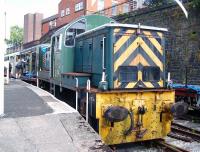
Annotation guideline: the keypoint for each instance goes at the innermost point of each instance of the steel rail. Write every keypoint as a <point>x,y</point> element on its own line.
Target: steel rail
<point>180,137</point>
<point>169,147</point>
<point>183,130</point>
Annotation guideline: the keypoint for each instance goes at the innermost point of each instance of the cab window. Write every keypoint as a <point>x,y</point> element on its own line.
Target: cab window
<point>56,44</point>
<point>76,29</point>
<point>151,73</point>
<point>128,73</point>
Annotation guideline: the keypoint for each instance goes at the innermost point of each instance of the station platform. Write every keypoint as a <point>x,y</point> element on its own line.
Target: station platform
<point>35,121</point>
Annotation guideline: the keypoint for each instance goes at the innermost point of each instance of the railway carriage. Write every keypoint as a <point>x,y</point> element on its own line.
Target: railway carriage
<point>43,59</point>
<point>32,59</point>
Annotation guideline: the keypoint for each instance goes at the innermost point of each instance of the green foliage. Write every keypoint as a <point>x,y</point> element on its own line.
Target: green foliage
<point>196,4</point>
<point>193,36</point>
<point>16,36</point>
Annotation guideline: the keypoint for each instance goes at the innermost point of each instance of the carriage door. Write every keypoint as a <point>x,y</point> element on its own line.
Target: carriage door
<point>52,56</point>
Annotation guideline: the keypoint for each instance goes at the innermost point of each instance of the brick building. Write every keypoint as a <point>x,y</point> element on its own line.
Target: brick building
<point>49,24</point>
<point>69,10</point>
<point>32,27</point>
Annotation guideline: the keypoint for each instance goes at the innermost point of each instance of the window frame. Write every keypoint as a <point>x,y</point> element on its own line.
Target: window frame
<point>148,80</point>
<point>67,11</point>
<point>101,5</point>
<point>62,13</point>
<point>136,73</point>
<point>78,6</point>
<point>57,47</point>
<point>114,10</point>
<point>70,27</point>
<point>125,8</point>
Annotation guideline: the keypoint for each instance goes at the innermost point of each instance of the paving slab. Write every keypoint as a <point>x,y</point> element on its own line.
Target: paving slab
<point>81,133</point>
<point>35,121</point>
<point>20,101</point>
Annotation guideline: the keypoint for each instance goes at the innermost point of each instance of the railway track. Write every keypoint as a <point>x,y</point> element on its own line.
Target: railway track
<point>155,145</point>
<point>184,133</point>
<point>169,147</point>
<point>190,117</point>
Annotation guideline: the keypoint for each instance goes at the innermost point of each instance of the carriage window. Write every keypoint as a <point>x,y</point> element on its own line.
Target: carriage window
<point>128,73</point>
<point>76,29</point>
<point>151,73</point>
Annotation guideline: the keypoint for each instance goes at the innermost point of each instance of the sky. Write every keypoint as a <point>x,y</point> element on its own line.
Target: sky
<point>16,9</point>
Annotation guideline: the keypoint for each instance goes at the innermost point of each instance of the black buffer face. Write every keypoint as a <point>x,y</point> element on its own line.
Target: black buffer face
<point>116,113</point>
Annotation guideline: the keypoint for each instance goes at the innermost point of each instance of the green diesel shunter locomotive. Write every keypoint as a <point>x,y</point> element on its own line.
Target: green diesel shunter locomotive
<point>119,78</point>
<point>115,76</point>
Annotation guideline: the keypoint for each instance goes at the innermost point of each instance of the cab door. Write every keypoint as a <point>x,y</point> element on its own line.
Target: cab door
<point>125,58</point>
<point>151,72</point>
<point>55,56</point>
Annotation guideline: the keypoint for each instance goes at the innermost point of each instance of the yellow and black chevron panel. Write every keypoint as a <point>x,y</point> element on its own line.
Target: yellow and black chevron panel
<point>138,58</point>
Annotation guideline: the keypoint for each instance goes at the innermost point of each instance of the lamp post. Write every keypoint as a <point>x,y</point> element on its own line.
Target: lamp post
<point>5,23</point>
<point>2,49</point>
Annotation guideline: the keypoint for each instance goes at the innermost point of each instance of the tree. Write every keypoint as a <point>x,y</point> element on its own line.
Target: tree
<point>16,36</point>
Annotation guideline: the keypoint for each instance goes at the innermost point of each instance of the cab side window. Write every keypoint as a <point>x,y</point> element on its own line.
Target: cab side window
<point>75,29</point>
<point>151,73</point>
<point>57,44</point>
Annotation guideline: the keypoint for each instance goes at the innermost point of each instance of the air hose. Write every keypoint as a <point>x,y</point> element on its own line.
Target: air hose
<point>127,132</point>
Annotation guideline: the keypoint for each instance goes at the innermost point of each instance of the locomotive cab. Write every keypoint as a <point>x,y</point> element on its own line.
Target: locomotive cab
<point>132,56</point>
<point>138,57</point>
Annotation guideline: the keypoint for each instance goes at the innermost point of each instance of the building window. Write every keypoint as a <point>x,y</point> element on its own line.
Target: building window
<point>67,11</point>
<point>52,24</point>
<point>125,8</point>
<point>133,4</point>
<point>100,5</point>
<point>78,6</point>
<point>114,8</point>
<point>62,13</point>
